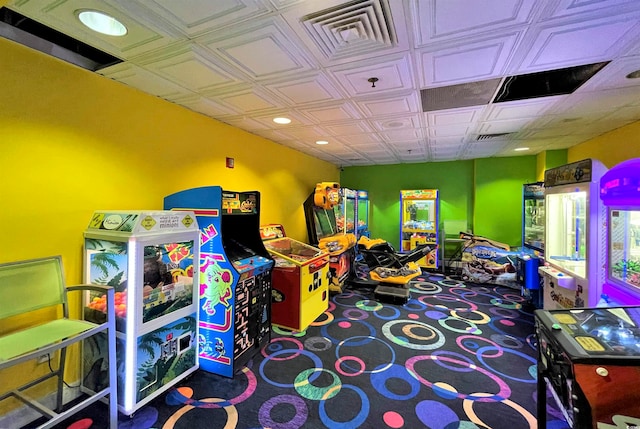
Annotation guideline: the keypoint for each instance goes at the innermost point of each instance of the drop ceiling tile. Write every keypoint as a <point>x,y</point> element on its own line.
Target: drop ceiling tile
<point>506,126</point>
<point>312,89</point>
<point>406,103</point>
<point>443,118</point>
<point>205,106</point>
<point>195,17</point>
<point>475,61</point>
<point>144,80</point>
<point>252,100</point>
<point>449,130</point>
<point>566,8</point>
<point>348,128</point>
<point>522,108</point>
<point>331,113</point>
<point>193,71</point>
<point>361,139</point>
<point>392,123</point>
<point>445,20</point>
<point>409,134</point>
<point>393,73</point>
<point>577,43</point>
<point>614,75</point>
<point>265,50</point>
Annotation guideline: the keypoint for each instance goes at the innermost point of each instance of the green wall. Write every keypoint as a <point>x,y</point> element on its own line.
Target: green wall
<point>454,180</point>
<point>483,196</point>
<point>498,197</point>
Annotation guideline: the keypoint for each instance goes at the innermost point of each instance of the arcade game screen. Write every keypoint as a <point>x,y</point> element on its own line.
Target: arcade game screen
<point>604,331</point>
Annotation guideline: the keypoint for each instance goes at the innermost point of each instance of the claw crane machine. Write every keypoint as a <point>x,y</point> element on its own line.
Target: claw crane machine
<point>419,220</point>
<point>151,260</point>
<point>620,193</point>
<point>575,242</point>
<point>362,213</point>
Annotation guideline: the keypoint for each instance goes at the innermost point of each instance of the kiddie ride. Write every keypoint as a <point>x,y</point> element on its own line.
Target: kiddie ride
<point>391,271</point>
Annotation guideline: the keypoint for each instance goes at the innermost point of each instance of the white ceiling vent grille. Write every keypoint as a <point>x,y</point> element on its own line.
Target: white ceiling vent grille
<point>353,28</point>
<point>491,136</point>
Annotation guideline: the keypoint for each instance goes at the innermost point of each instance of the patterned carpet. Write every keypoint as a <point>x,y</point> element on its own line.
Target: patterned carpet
<point>455,356</point>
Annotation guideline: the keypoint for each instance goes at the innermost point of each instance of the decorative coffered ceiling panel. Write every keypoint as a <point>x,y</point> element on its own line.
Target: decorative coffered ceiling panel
<point>383,81</point>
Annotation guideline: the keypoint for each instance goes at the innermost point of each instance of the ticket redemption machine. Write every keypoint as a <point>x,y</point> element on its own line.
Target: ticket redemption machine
<point>234,276</point>
<point>323,231</point>
<point>589,358</point>
<point>620,193</point>
<point>150,258</point>
<point>533,218</point>
<point>575,244</point>
<point>300,281</point>
<point>362,212</point>
<point>419,220</point>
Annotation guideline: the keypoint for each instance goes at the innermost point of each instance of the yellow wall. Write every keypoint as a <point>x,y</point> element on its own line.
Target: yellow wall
<point>73,142</point>
<point>611,148</point>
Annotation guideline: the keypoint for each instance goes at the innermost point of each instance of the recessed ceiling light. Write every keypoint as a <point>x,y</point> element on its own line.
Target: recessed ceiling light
<point>634,75</point>
<point>282,121</point>
<point>322,142</point>
<point>102,23</point>
<point>520,149</point>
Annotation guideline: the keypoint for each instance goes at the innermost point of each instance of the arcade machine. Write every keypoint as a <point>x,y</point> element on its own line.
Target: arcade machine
<point>149,257</point>
<point>345,211</point>
<point>419,220</point>
<point>532,242</point>
<point>362,213</point>
<point>388,271</point>
<point>484,260</point>
<point>574,267</point>
<point>620,193</point>
<point>300,281</point>
<point>589,358</point>
<point>235,276</point>
<point>323,232</point>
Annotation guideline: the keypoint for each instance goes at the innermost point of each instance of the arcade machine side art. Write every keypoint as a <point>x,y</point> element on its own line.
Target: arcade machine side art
<point>620,193</point>
<point>575,240</point>
<point>300,285</point>
<point>488,261</point>
<point>419,223</point>
<point>323,232</point>
<point>149,257</point>
<point>235,276</point>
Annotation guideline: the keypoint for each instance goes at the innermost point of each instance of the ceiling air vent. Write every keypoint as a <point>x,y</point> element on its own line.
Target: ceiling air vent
<point>26,31</point>
<point>460,95</point>
<point>353,28</point>
<point>492,136</point>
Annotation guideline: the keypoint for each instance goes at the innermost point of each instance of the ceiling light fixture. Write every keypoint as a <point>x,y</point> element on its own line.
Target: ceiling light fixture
<point>322,142</point>
<point>521,149</point>
<point>373,81</point>
<point>282,121</point>
<point>633,75</point>
<point>102,23</point>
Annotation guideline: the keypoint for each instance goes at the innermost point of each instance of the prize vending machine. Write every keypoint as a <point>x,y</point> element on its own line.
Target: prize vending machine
<point>620,193</point>
<point>533,218</point>
<point>575,243</point>
<point>362,212</point>
<point>234,276</point>
<point>151,260</point>
<point>419,220</point>
<point>345,211</point>
<point>300,285</point>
